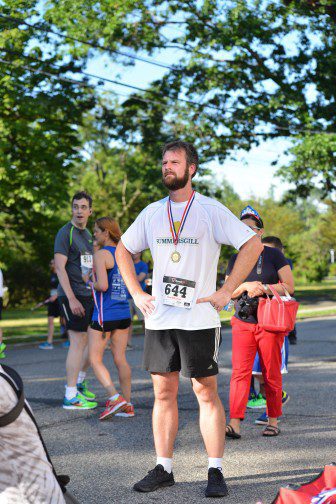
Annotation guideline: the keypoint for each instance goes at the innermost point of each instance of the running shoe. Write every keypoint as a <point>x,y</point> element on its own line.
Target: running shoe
<point>263,419</point>
<point>216,484</point>
<point>78,403</point>
<point>253,394</point>
<point>156,478</point>
<point>2,350</point>
<point>83,389</point>
<point>127,412</point>
<point>66,344</point>
<point>46,346</point>
<point>285,398</point>
<point>112,407</point>
<point>258,403</point>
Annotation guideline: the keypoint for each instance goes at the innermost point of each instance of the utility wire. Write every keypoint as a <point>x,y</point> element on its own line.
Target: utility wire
<point>119,83</point>
<point>39,26</point>
<point>136,88</point>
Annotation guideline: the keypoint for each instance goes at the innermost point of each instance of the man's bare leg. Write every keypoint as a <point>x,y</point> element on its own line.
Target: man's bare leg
<point>78,343</point>
<point>165,412</point>
<point>212,415</point>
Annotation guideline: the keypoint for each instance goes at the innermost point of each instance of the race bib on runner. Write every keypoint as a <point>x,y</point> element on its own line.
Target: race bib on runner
<point>86,261</point>
<point>178,292</point>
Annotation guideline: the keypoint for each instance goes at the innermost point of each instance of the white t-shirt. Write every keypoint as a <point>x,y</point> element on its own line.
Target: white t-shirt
<point>209,224</point>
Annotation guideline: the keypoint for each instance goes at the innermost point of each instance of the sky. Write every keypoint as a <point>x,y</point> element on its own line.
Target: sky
<point>250,173</point>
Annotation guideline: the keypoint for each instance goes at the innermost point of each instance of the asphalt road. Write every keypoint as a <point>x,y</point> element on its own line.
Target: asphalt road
<point>105,459</point>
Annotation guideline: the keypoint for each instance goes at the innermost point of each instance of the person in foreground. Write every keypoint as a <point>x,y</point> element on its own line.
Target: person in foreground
<point>111,319</point>
<point>184,232</point>
<point>248,337</point>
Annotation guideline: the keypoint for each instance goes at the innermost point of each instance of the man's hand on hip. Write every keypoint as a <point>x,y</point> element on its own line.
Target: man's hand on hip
<point>218,299</point>
<point>144,302</point>
<point>76,307</point>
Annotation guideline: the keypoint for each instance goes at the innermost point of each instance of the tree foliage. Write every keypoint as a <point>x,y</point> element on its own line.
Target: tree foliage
<point>40,112</point>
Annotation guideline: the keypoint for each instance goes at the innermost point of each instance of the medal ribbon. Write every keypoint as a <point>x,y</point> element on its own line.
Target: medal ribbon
<point>176,234</point>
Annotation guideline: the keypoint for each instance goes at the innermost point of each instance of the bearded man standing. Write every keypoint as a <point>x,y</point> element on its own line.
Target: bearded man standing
<point>184,232</point>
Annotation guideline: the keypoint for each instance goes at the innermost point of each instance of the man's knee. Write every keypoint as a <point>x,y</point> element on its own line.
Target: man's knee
<point>78,339</point>
<point>165,388</point>
<point>206,389</point>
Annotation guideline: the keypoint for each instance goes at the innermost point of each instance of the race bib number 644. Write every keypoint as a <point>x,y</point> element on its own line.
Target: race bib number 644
<point>178,292</point>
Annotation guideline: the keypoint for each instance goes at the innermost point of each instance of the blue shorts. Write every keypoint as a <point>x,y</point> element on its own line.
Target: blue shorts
<point>284,360</point>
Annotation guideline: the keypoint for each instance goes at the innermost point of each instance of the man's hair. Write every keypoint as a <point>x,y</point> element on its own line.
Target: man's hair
<point>82,195</point>
<point>274,240</point>
<point>189,149</point>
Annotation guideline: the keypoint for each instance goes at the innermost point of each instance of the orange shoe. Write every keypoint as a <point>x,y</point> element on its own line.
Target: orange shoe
<point>127,412</point>
<point>112,407</point>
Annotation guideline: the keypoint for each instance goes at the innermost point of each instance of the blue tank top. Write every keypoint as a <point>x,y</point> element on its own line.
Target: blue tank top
<point>112,304</point>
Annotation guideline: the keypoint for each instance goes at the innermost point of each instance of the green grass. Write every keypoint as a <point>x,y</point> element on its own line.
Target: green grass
<point>33,325</point>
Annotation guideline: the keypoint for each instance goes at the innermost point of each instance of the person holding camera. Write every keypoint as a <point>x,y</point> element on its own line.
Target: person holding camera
<point>248,337</point>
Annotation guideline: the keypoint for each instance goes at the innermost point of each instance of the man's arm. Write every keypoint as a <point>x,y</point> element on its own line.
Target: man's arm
<point>75,306</point>
<point>246,259</point>
<point>127,270</point>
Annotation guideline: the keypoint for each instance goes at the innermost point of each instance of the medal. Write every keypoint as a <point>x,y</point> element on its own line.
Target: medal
<point>176,256</point>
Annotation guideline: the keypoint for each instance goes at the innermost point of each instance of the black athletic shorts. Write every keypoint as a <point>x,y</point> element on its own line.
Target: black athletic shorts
<point>73,322</point>
<point>53,309</point>
<point>194,353</point>
<point>111,325</point>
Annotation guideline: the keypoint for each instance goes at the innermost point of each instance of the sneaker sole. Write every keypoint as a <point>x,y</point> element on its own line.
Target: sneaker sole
<point>90,399</point>
<point>287,401</point>
<point>113,412</point>
<point>79,408</point>
<point>256,407</point>
<point>124,415</point>
<point>260,422</point>
<point>160,485</point>
<point>216,494</point>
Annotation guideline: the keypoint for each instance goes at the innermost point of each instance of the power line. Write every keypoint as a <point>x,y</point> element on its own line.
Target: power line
<point>119,83</point>
<point>38,26</point>
<point>136,88</point>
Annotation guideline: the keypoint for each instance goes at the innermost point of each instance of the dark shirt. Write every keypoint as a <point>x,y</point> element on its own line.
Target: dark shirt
<point>272,261</point>
<point>53,281</point>
<point>77,245</point>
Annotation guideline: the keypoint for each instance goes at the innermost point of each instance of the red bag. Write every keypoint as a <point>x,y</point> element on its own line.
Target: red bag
<point>277,314</point>
<point>321,489</point>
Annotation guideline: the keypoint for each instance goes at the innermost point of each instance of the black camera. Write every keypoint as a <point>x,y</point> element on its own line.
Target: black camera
<point>247,307</point>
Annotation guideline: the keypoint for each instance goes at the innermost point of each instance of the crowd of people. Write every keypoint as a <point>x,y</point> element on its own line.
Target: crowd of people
<point>101,286</point>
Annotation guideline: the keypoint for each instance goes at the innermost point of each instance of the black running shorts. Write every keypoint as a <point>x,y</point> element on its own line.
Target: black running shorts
<point>73,322</point>
<point>111,325</point>
<point>194,353</point>
<point>53,309</point>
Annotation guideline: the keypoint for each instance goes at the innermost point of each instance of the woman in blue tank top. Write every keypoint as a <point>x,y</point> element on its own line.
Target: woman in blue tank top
<point>111,318</point>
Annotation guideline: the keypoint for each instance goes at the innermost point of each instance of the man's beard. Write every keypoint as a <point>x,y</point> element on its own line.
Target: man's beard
<point>176,183</point>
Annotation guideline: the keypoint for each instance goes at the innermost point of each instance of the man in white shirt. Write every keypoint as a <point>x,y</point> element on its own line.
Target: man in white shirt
<point>184,233</point>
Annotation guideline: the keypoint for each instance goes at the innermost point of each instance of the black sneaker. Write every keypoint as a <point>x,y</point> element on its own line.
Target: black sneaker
<point>216,484</point>
<point>156,478</point>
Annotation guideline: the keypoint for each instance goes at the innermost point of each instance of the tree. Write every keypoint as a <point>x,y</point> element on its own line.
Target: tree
<point>312,165</point>
<point>41,108</point>
<point>246,71</point>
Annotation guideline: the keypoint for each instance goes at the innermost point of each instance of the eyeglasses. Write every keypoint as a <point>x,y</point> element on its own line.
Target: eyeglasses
<point>255,228</point>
